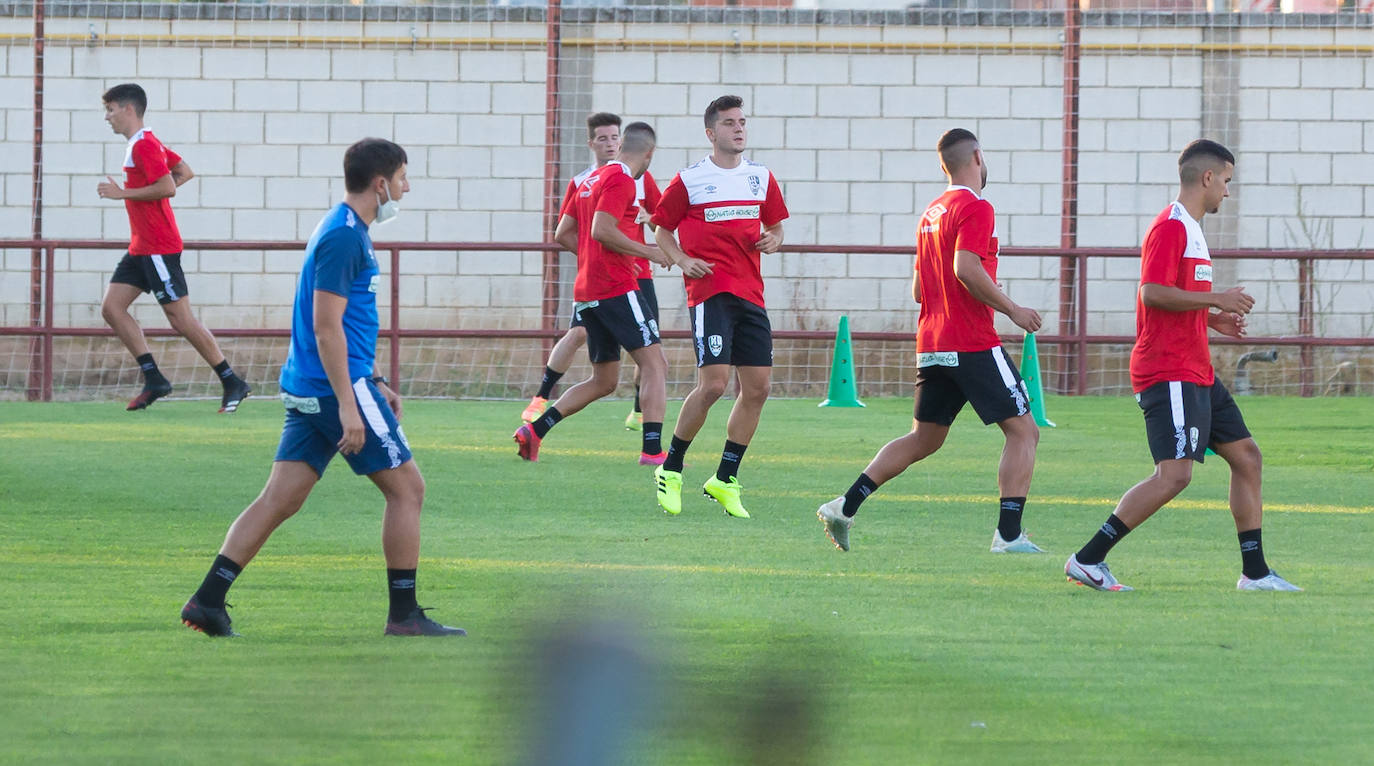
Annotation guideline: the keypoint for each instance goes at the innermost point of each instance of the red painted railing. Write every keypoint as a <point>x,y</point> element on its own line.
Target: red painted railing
<point>42,330</point>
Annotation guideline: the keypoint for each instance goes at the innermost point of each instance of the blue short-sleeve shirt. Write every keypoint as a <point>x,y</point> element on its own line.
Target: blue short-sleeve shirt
<point>338,259</point>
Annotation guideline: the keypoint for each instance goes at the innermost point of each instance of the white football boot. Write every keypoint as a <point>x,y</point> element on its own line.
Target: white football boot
<point>1271,581</point>
<point>1022,544</point>
<point>1096,576</point>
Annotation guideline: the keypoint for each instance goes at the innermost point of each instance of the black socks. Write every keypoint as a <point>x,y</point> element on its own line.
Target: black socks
<point>217,581</point>
<point>653,438</point>
<point>401,587</point>
<point>151,374</point>
<point>1097,548</point>
<point>677,448</point>
<point>1009,520</point>
<point>1252,555</point>
<point>551,378</point>
<point>729,460</point>
<point>546,421</point>
<point>857,493</point>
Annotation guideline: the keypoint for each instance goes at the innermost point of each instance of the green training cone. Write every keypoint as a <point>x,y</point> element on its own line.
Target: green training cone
<point>1030,372</point>
<point>842,392</point>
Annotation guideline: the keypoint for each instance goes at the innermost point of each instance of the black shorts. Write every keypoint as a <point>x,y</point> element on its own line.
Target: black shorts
<point>616,323</point>
<point>988,380</point>
<point>160,275</point>
<point>1183,419</point>
<point>730,330</point>
<point>650,294</point>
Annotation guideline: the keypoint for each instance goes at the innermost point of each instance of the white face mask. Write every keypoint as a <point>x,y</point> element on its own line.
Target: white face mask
<point>386,211</point>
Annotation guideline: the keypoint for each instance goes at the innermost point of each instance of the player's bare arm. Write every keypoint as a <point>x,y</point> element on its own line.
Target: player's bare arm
<point>605,231</point>
<point>916,286</point>
<point>1170,298</point>
<point>771,239</point>
<point>968,267</point>
<point>694,268</point>
<point>181,173</point>
<point>329,337</point>
<point>566,233</point>
<point>162,188</point>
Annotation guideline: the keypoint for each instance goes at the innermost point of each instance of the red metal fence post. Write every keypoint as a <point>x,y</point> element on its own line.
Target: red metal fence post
<point>552,165</point>
<point>35,388</point>
<point>1071,321</point>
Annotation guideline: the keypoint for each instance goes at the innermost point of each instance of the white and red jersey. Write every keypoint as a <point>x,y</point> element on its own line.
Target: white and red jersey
<point>602,272</point>
<point>719,214</point>
<point>1172,345</point>
<point>152,227</point>
<point>647,196</point>
<point>576,181</point>
<point>951,318</point>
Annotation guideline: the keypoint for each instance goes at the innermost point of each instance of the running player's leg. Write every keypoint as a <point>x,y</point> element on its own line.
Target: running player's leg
<point>1231,441</point>
<point>1176,422</point>
<point>125,286</point>
<point>604,352</point>
<point>169,287</point>
<point>560,359</point>
<point>635,420</point>
<point>937,402</point>
<point>114,309</point>
<point>652,365</point>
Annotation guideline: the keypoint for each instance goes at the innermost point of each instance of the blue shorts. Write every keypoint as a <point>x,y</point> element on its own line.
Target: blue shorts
<point>312,431</point>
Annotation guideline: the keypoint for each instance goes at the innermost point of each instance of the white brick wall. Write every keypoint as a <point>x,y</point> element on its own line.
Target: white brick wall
<point>850,133</point>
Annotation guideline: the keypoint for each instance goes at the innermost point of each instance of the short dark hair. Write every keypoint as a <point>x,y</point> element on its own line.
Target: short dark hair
<point>128,93</point>
<point>724,103</point>
<point>1200,156</point>
<point>601,120</point>
<point>637,137</point>
<point>369,158</point>
<point>956,148</point>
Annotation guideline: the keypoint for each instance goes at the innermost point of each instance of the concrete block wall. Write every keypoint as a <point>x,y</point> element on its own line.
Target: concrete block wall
<point>850,132</point>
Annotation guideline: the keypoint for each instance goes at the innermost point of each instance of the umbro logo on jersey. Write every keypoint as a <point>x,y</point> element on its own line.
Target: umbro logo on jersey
<point>711,189</point>
<point>934,212</point>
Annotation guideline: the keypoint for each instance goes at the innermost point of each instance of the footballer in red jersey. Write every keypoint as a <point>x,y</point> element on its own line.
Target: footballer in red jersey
<point>153,264</point>
<point>606,294</point>
<point>959,359</point>
<point>1186,408</point>
<point>715,220</point>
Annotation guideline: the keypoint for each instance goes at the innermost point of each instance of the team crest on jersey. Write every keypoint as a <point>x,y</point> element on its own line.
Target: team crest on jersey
<point>755,183</point>
<point>716,344</point>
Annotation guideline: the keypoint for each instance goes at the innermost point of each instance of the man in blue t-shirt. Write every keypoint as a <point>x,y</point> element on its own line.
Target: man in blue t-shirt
<point>334,404</point>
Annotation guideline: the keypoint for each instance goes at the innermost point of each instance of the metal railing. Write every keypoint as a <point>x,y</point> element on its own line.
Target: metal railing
<point>42,328</point>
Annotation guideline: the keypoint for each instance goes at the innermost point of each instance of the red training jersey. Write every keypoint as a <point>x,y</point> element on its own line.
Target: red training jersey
<point>647,195</point>
<point>719,214</point>
<point>951,318</point>
<point>1172,345</point>
<point>152,227</point>
<point>602,272</point>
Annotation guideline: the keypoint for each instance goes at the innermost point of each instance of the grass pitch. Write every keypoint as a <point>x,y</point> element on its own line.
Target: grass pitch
<point>757,641</point>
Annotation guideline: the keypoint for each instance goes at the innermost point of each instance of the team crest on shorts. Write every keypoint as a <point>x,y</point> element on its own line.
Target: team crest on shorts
<point>716,344</point>
<point>1192,439</point>
<point>755,184</point>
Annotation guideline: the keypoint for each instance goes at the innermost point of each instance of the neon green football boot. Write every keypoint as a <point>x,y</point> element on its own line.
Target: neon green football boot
<point>727,494</point>
<point>634,422</point>
<point>669,490</point>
